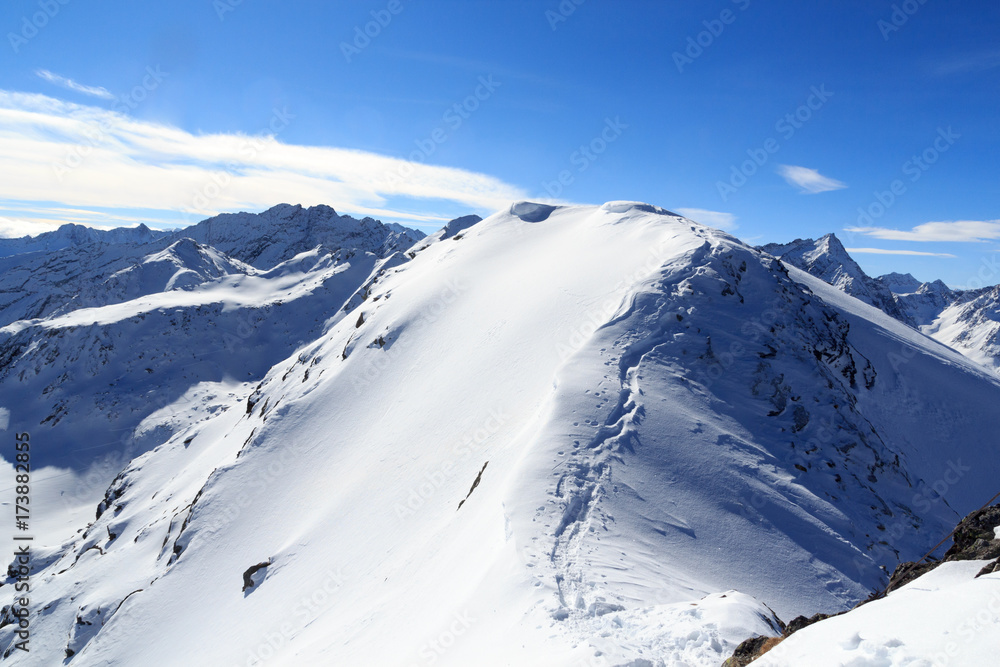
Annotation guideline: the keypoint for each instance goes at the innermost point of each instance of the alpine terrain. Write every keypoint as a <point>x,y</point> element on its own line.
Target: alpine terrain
<point>562,435</point>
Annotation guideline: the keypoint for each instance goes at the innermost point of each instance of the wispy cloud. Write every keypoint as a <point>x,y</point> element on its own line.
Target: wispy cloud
<point>809,181</point>
<point>959,231</point>
<point>70,84</point>
<point>883,251</point>
<point>717,219</point>
<point>54,153</point>
<point>968,63</point>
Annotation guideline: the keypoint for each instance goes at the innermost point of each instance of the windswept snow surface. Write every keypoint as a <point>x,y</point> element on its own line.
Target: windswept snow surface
<point>946,617</point>
<point>653,430</point>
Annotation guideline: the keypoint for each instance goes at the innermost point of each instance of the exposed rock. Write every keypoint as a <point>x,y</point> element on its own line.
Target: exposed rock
<point>976,538</point>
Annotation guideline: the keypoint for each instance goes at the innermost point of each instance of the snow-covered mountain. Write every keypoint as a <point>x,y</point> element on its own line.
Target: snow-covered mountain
<point>560,436</point>
<point>71,235</point>
<point>282,232</point>
<point>971,325</point>
<point>111,341</point>
<point>968,321</point>
<point>828,260</point>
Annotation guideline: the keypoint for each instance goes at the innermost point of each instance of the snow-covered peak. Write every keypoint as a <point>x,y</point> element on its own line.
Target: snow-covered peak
<point>827,259</point>
<point>283,231</point>
<point>183,264</point>
<point>900,283</point>
<point>451,230</point>
<point>70,235</point>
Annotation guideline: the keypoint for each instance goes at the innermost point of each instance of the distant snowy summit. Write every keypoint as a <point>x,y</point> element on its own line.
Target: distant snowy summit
<point>283,231</point>
<point>967,320</point>
<point>827,259</point>
<point>70,235</point>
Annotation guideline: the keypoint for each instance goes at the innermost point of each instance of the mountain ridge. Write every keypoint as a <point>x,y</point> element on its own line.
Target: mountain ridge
<point>638,415</point>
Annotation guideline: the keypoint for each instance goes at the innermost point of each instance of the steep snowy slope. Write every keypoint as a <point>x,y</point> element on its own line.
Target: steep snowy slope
<point>561,437</point>
<point>971,324</point>
<point>95,372</point>
<point>827,259</point>
<point>118,332</point>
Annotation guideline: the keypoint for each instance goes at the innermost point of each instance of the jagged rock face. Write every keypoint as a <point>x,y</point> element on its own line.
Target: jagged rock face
<point>926,302</point>
<point>278,234</point>
<point>977,537</point>
<point>828,260</point>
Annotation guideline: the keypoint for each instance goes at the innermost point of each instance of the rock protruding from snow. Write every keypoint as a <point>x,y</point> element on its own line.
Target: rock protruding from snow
<point>453,230</point>
<point>933,614</point>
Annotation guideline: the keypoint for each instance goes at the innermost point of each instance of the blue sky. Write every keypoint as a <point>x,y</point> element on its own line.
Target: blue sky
<point>775,120</point>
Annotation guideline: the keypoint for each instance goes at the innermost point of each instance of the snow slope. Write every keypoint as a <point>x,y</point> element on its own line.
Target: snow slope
<point>567,435</point>
<point>946,617</point>
<point>971,324</point>
<point>117,327</point>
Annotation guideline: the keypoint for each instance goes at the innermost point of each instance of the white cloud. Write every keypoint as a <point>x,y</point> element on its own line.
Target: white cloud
<point>809,181</point>
<point>84,157</point>
<point>717,219</point>
<point>959,231</point>
<point>12,228</point>
<point>70,84</point>
<point>883,251</point>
